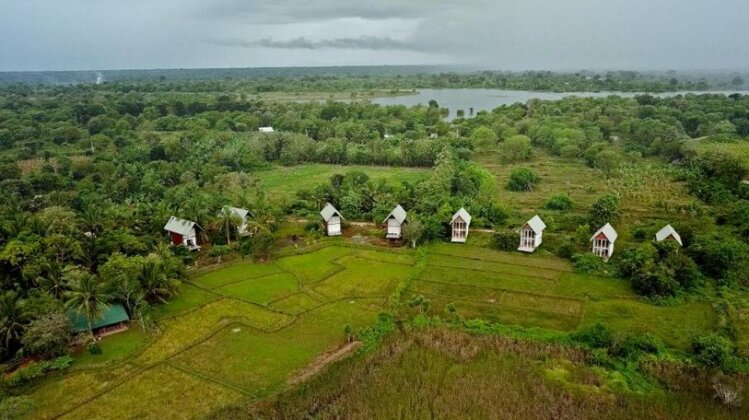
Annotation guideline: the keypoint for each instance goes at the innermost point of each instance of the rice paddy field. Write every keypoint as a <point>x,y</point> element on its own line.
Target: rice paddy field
<point>242,332</point>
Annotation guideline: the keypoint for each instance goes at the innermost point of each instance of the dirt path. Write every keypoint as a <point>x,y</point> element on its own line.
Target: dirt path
<point>322,361</point>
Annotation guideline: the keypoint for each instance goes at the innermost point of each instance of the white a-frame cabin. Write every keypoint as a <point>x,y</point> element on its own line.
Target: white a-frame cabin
<point>531,234</point>
<point>394,222</point>
<point>603,241</point>
<point>668,233</point>
<point>332,219</point>
<point>242,215</point>
<point>460,223</point>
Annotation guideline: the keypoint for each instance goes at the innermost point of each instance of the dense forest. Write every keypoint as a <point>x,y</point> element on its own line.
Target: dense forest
<point>91,173</point>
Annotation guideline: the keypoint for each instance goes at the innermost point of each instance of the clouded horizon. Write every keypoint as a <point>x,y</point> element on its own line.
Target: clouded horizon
<point>491,34</point>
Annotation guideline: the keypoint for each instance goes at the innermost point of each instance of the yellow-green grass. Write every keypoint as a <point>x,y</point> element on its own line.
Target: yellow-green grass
<point>532,261</point>
<point>315,266</point>
<point>162,392</point>
<point>286,181</point>
<point>505,298</point>
<point>188,329</point>
<point>486,279</point>
<point>189,297</point>
<point>296,303</point>
<point>675,325</point>
<point>469,264</point>
<point>58,395</point>
<point>233,273</point>
<point>404,257</point>
<point>114,348</point>
<point>260,363</point>
<point>738,149</point>
<point>592,287</point>
<point>363,277</point>
<point>263,289</point>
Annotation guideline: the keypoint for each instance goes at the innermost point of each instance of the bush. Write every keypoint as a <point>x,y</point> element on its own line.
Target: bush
<point>37,370</point>
<point>559,202</point>
<point>634,344</point>
<point>603,211</point>
<point>505,240</point>
<point>595,337</point>
<point>522,179</point>
<point>48,336</point>
<point>587,263</point>
<point>714,350</point>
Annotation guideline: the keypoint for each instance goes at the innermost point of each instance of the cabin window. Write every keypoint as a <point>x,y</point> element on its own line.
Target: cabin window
<point>459,229</point>
<point>527,238</point>
<point>601,247</point>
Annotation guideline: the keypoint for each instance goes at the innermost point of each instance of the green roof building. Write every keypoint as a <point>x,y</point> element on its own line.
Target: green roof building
<point>110,315</point>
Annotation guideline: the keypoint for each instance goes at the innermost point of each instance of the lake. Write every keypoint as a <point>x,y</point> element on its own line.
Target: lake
<point>488,99</point>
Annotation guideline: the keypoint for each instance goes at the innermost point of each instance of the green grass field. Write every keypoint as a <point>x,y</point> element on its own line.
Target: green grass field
<point>284,182</point>
<point>244,330</point>
<point>739,149</point>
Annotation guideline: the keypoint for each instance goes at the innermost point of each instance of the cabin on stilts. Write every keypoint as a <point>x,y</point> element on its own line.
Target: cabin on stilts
<point>460,223</point>
<point>603,241</point>
<point>668,233</point>
<point>394,222</point>
<point>531,234</point>
<point>332,219</point>
<point>242,215</point>
<point>183,232</point>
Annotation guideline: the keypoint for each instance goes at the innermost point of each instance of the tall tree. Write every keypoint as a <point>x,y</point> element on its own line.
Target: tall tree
<point>13,319</point>
<point>88,297</point>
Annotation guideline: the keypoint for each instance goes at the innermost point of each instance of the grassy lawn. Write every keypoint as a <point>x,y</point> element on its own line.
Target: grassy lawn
<point>262,289</point>
<point>215,347</point>
<point>282,181</point>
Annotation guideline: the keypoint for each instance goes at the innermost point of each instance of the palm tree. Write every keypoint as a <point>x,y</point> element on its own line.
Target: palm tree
<point>53,280</point>
<point>13,319</point>
<point>88,297</point>
<point>155,282</point>
<point>228,220</point>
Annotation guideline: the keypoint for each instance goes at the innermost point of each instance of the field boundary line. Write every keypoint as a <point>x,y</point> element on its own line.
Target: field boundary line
<point>504,289</point>
<point>444,254</point>
<point>530,276</point>
<point>206,378</point>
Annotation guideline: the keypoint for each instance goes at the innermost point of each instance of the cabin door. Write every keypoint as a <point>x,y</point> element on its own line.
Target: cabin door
<point>527,238</point>
<point>394,228</point>
<point>334,225</point>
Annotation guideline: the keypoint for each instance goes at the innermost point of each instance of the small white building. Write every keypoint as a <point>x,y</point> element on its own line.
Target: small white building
<point>182,232</point>
<point>460,223</point>
<point>242,214</point>
<point>531,234</point>
<point>668,233</point>
<point>266,129</point>
<point>332,219</point>
<point>394,221</point>
<point>603,241</point>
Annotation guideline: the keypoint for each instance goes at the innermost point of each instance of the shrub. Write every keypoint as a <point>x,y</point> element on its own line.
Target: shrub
<point>634,344</point>
<point>587,263</point>
<point>505,240</point>
<point>603,211</point>
<point>559,202</point>
<point>522,179</point>
<point>595,337</point>
<point>517,147</point>
<point>48,336</point>
<point>37,370</point>
<point>714,350</point>
<point>15,407</point>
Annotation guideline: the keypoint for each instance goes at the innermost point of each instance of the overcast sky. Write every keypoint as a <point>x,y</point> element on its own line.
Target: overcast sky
<point>496,34</point>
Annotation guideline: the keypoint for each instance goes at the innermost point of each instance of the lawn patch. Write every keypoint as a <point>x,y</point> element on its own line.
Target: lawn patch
<point>501,268</point>
<point>486,279</point>
<point>189,297</point>
<point>295,304</point>
<point>593,287</point>
<point>262,289</point>
<point>388,257</point>
<point>315,266</point>
<point>114,348</point>
<point>233,273</point>
<point>363,277</point>
<point>532,261</point>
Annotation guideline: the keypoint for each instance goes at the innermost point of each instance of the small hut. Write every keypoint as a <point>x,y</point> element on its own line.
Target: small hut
<point>332,219</point>
<point>241,214</point>
<point>394,221</point>
<point>182,232</point>
<point>531,234</point>
<point>668,233</point>
<point>460,223</point>
<point>266,129</point>
<point>113,319</point>
<point>603,241</point>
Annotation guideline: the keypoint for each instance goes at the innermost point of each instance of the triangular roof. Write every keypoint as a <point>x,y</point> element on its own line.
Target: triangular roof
<point>536,224</point>
<point>242,213</point>
<point>110,315</point>
<point>181,226</point>
<point>329,211</point>
<point>608,231</point>
<point>667,231</point>
<point>463,214</point>
<point>398,214</point>
<point>265,129</point>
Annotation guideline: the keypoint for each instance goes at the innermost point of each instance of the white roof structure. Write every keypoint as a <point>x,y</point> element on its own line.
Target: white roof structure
<point>241,213</point>
<point>667,231</point>
<point>463,214</point>
<point>266,129</point>
<point>536,224</point>
<point>398,214</point>
<point>608,231</point>
<point>180,226</point>
<point>329,211</point>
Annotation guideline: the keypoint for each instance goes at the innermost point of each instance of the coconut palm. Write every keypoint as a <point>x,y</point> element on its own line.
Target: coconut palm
<point>53,280</point>
<point>156,283</point>
<point>88,297</point>
<point>228,220</point>
<point>13,319</point>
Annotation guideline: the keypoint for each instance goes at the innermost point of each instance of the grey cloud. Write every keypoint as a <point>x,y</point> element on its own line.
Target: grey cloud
<point>302,43</point>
